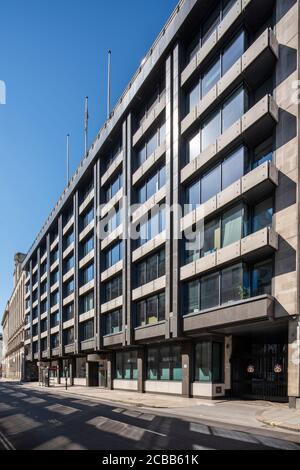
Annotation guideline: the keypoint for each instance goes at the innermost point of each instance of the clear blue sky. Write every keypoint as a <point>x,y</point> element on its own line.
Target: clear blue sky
<point>52,54</point>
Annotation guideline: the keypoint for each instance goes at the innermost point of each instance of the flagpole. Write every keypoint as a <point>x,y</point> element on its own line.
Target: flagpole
<point>68,158</point>
<point>108,84</point>
<point>86,124</point>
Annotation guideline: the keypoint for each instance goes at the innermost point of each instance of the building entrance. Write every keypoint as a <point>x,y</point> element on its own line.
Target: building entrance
<point>259,369</point>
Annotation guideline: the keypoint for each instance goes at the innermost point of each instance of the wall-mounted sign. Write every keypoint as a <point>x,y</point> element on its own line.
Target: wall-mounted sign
<point>278,369</point>
<point>251,369</point>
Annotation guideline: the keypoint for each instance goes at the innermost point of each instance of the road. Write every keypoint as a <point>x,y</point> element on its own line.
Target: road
<point>37,419</point>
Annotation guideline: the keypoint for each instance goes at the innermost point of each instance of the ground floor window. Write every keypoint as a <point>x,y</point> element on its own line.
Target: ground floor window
<point>126,365</point>
<point>80,368</point>
<point>164,363</point>
<point>209,361</point>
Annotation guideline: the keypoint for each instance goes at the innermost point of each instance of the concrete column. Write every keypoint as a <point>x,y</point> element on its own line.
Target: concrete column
<point>187,369</point>
<point>128,324</point>
<point>141,362</point>
<point>293,364</point>
<point>110,371</point>
<point>227,363</point>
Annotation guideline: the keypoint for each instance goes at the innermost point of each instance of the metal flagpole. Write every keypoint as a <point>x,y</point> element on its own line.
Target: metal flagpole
<point>108,84</point>
<point>68,158</point>
<point>86,124</point>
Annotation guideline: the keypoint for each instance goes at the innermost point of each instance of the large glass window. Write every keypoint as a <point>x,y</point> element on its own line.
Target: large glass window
<point>87,330</point>
<point>87,246</point>
<point>194,147</point>
<point>164,363</point>
<point>211,130</point>
<point>149,229</point>
<point>88,217</point>
<point>126,365</point>
<point>113,322</point>
<point>211,77</point>
<point>68,312</point>
<point>151,268</point>
<point>209,361</point>
<point>87,303</point>
<point>210,184</point>
<point>69,336</point>
<point>233,167</point>
<point>113,289</point>
<point>152,185</point>
<point>114,187</point>
<point>233,109</point>
<point>149,147</point>
<point>150,310</point>
<point>54,341</point>
<point>233,52</point>
<point>232,283</point>
<point>263,153</point>
<point>262,215</point>
<point>114,255</point>
<point>87,275</point>
<point>69,288</point>
<point>209,291</point>
<point>232,225</point>
<point>262,278</point>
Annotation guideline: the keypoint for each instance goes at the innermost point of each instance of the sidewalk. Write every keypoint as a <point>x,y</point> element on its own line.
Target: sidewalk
<point>253,414</point>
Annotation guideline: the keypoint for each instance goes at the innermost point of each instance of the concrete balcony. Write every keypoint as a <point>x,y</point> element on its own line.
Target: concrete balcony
<point>68,225</point>
<point>112,271</point>
<point>27,341</point>
<point>68,250</point>
<point>247,10</point>
<point>150,120</point>
<point>54,265</point>
<point>69,299</point>
<point>236,313</point>
<point>112,237</point>
<point>112,170</point>
<point>35,304</point>
<point>152,161</point>
<point>251,128</point>
<point>36,356</point>
<point>36,285</point>
<point>86,316</point>
<point>113,340</point>
<point>44,277</point>
<point>68,324</point>
<point>153,201</point>
<point>88,345</point>
<point>27,294</point>
<point>68,275</point>
<point>254,246</point>
<point>252,187</point>
<point>87,259</point>
<point>44,334</point>
<point>54,244</point>
<point>87,201</point>
<point>113,202</point>
<point>149,332</point>
<point>54,330</point>
<point>253,67</point>
<point>150,246</point>
<point>43,258</point>
<point>54,309</point>
<point>54,287</point>
<point>69,348</point>
<point>56,352</point>
<point>87,230</point>
<point>45,355</point>
<point>150,288</point>
<point>114,304</point>
<point>44,315</point>
<point>44,297</point>
<point>87,287</point>
<point>34,269</point>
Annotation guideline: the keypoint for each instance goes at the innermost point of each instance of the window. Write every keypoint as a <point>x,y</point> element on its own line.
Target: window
<point>54,256</point>
<point>232,284</point>
<point>69,239</point>
<point>43,269</point>
<point>54,341</point>
<point>113,155</point>
<point>261,278</point>
<point>87,275</point>
<point>44,344</point>
<point>164,363</point>
<point>68,312</point>
<point>113,322</point>
<point>209,291</point>
<point>149,229</point>
<point>113,289</point>
<point>69,336</point>
<point>114,187</point>
<point>87,246</point>
<point>232,226</point>
<point>87,303</point>
<point>35,330</point>
<point>210,77</point>
<point>87,330</point>
<point>149,147</point>
<point>233,52</point>
<point>80,367</point>
<point>210,25</point>
<point>126,365</point>
<point>114,255</point>
<point>44,307</point>
<point>210,184</point>
<point>152,185</point>
<point>69,264</point>
<point>233,109</point>
<point>54,320</point>
<point>151,310</point>
<point>54,277</point>
<point>87,189</point>
<point>263,153</point>
<point>262,215</point>
<point>209,361</point>
<point>69,288</point>
<point>88,218</point>
<point>43,288</point>
<point>194,147</point>
<point>151,268</point>
<point>54,299</point>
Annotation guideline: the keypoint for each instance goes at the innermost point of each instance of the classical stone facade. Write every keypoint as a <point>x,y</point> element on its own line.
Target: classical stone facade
<point>210,120</point>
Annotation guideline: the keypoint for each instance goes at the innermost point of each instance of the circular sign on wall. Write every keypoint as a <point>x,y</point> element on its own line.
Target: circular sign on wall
<point>251,369</point>
<point>278,369</point>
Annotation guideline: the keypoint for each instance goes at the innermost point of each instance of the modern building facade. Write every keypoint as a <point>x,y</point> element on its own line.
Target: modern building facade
<point>13,326</point>
<point>209,121</point>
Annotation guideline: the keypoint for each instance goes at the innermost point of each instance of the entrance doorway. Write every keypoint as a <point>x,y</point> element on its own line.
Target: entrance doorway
<point>103,374</point>
<point>259,368</point>
<point>93,374</point>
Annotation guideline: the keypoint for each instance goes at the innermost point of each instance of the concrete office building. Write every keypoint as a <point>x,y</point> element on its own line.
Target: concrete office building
<point>210,120</point>
<point>13,326</point>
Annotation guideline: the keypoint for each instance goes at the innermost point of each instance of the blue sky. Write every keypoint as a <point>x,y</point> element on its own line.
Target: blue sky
<point>52,54</point>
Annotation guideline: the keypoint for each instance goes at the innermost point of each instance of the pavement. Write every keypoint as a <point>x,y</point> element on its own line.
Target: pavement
<point>33,417</point>
<point>255,413</point>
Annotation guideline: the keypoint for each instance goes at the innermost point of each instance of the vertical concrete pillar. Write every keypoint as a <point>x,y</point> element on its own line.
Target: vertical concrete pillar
<point>141,370</point>
<point>187,368</point>
<point>110,371</point>
<point>293,364</point>
<point>227,363</point>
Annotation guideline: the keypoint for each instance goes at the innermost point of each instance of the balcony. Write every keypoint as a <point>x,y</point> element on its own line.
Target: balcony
<point>244,311</point>
<point>251,128</point>
<point>253,67</point>
<point>112,304</point>
<point>252,187</point>
<point>249,10</point>
<point>69,348</point>
<point>256,245</point>
<point>88,345</point>
<point>113,340</point>
<point>88,199</point>
<point>152,161</point>
<point>68,225</point>
<point>112,271</point>
<point>113,202</point>
<point>148,332</point>
<point>114,167</point>
<point>86,316</point>
<point>150,288</point>
<point>150,119</point>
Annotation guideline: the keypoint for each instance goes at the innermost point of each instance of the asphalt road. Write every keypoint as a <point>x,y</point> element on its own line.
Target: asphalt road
<point>33,419</point>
